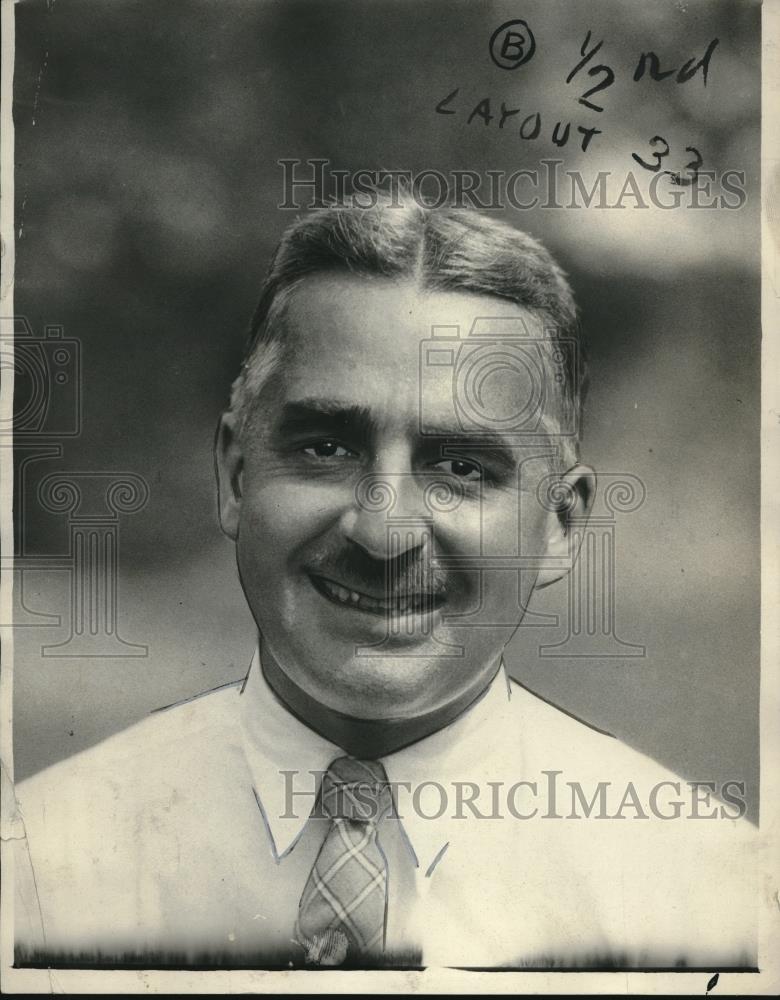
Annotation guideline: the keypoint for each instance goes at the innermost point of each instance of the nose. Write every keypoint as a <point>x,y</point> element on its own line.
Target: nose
<point>388,516</point>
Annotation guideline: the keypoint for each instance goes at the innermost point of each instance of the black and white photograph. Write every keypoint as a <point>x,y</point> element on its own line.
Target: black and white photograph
<point>390,541</point>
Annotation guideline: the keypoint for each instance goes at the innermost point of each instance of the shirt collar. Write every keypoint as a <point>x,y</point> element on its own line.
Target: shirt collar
<point>286,759</point>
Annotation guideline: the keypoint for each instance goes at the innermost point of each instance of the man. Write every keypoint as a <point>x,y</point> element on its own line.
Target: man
<point>398,470</point>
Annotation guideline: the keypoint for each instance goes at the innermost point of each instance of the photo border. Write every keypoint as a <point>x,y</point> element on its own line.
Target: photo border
<point>431,980</point>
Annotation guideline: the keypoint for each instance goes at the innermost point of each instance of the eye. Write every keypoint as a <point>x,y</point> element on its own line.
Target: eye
<point>327,449</point>
<point>460,468</point>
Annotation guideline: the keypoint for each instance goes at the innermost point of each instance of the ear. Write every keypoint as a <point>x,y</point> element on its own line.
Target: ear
<point>578,486</point>
<point>229,463</point>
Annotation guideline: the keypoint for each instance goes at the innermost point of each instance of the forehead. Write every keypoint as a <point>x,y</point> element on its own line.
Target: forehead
<point>330,304</point>
<point>375,340</point>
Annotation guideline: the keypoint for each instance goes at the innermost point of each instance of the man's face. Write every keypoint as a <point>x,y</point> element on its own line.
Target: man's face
<point>379,539</point>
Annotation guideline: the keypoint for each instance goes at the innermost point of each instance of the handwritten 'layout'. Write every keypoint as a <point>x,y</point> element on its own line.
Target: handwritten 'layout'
<point>512,45</point>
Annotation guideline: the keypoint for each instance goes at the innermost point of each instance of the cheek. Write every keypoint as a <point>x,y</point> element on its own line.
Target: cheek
<point>533,522</point>
<point>281,516</point>
<point>503,525</point>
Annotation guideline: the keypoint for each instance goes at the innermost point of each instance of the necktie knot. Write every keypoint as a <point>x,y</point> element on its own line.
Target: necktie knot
<point>356,790</point>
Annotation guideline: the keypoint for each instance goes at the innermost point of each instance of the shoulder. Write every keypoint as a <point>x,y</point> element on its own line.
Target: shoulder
<point>100,829</point>
<point>644,813</point>
<point>556,739</point>
<point>167,752</point>
<point>666,860</point>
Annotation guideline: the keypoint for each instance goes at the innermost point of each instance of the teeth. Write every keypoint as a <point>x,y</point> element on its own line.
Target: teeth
<point>401,606</point>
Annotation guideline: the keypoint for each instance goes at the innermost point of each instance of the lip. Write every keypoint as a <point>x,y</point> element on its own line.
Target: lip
<point>418,605</point>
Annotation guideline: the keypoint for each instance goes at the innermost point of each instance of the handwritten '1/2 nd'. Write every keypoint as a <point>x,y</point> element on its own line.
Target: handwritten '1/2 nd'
<point>648,64</point>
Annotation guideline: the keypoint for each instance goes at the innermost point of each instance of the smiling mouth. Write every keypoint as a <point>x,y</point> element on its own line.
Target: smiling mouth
<point>401,604</point>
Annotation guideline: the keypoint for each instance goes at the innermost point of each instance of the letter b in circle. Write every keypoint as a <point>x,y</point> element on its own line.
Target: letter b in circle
<point>512,44</point>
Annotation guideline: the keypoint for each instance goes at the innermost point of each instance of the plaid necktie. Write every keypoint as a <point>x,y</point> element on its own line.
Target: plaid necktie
<point>342,909</point>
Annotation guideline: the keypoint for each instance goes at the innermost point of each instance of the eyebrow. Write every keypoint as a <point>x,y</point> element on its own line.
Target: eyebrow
<point>327,415</point>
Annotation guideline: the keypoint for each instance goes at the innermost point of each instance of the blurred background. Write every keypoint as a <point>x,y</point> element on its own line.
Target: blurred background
<point>147,186</point>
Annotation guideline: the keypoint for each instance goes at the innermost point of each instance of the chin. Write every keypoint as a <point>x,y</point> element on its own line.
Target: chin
<point>381,687</point>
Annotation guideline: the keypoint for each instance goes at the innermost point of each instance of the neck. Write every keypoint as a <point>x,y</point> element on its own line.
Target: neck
<point>364,738</point>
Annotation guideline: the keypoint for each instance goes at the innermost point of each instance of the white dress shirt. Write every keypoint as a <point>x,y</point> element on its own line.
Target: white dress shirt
<point>175,840</point>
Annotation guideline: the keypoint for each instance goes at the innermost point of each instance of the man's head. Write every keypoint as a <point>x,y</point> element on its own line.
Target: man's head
<point>408,405</point>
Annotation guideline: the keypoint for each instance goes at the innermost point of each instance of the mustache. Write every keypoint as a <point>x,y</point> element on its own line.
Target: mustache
<point>412,573</point>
